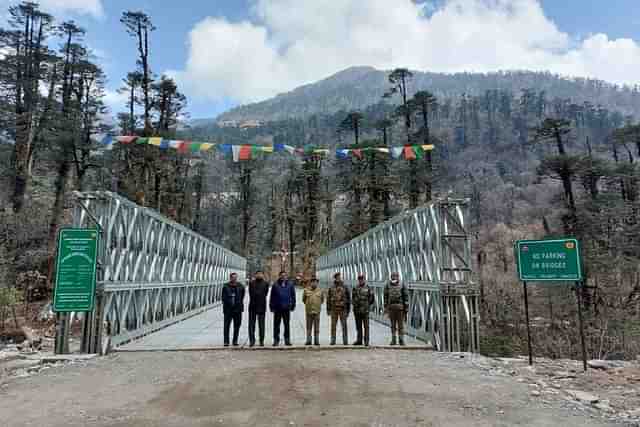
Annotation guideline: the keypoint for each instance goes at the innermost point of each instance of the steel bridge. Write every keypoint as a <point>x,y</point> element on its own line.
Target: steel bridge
<point>154,273</point>
<point>430,248</point>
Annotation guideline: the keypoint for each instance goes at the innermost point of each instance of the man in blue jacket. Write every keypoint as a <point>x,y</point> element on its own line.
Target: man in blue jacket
<point>282,302</point>
<point>232,307</point>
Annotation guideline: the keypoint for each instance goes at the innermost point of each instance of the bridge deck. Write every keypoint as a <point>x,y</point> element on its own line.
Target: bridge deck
<point>205,331</point>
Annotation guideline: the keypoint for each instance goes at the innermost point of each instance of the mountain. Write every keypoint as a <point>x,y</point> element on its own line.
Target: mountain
<point>358,87</point>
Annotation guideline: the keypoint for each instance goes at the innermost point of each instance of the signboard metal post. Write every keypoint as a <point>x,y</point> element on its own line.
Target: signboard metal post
<point>75,285</point>
<point>550,261</point>
<point>582,340</point>
<point>526,310</point>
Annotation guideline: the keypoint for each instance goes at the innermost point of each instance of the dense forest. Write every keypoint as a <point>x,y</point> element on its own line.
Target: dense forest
<point>537,155</point>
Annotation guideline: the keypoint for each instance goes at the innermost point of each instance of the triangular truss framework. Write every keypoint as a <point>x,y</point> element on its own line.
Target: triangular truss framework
<point>431,250</point>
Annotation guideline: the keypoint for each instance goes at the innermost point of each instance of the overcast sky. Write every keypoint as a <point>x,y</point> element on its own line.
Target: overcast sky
<point>225,52</point>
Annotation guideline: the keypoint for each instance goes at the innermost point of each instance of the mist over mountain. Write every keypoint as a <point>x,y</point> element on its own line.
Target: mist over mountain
<point>358,87</point>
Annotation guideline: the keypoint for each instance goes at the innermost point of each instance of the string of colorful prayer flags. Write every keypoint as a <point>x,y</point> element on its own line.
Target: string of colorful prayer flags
<point>248,152</point>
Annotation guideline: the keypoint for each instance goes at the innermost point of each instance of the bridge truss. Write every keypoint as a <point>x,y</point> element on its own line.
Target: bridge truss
<point>431,250</point>
<point>152,272</point>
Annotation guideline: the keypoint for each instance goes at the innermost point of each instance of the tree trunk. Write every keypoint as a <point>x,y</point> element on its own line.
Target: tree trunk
<point>23,152</point>
<point>57,213</point>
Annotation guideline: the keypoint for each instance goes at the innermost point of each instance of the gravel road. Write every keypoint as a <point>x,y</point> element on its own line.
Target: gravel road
<point>278,388</point>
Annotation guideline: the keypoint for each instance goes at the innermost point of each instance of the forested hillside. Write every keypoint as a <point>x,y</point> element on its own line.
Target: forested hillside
<point>358,87</point>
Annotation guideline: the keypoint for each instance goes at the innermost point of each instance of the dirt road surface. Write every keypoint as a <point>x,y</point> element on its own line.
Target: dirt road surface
<point>279,388</point>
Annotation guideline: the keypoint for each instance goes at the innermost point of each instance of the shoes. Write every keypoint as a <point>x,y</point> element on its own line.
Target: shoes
<point>252,344</point>
<point>317,343</point>
<point>393,341</point>
<point>288,344</point>
<point>308,342</point>
<point>226,344</point>
<point>366,344</point>
<point>261,343</point>
<point>275,343</point>
<point>235,344</point>
<point>402,341</point>
<point>333,342</point>
<point>357,343</point>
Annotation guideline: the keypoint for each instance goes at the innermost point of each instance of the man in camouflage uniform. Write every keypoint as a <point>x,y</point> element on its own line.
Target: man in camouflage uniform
<point>313,297</point>
<point>338,307</point>
<point>396,305</point>
<point>362,298</point>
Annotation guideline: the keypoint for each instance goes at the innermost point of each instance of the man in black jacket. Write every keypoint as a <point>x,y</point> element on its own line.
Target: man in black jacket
<point>282,302</point>
<point>232,307</point>
<point>258,290</point>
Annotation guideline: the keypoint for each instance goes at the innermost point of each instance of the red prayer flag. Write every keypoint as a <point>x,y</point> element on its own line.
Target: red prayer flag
<point>357,153</point>
<point>126,139</point>
<point>409,154</point>
<point>183,147</point>
<point>245,152</point>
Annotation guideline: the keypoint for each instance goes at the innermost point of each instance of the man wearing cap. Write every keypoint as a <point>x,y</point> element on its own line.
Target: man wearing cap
<point>338,307</point>
<point>362,298</point>
<point>313,297</point>
<point>396,305</point>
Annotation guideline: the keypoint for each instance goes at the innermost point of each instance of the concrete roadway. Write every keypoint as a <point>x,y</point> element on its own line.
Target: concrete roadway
<point>206,331</point>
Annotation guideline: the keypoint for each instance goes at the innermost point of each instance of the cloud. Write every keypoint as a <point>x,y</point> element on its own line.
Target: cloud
<point>288,43</point>
<point>115,101</point>
<point>85,7</point>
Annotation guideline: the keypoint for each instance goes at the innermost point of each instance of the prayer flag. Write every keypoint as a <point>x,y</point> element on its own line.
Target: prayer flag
<point>417,150</point>
<point>164,144</point>
<point>256,150</point>
<point>342,153</point>
<point>409,154</point>
<point>267,149</point>
<point>142,141</point>
<point>155,141</point>
<point>357,153</point>
<point>382,150</point>
<point>321,151</point>
<point>205,146</point>
<point>245,152</point>
<point>290,149</point>
<point>396,152</point>
<point>236,152</point>
<point>126,139</point>
<point>107,140</point>
<point>427,147</point>
<point>278,147</point>
<point>194,147</point>
<point>184,147</point>
<point>175,144</point>
<point>225,148</point>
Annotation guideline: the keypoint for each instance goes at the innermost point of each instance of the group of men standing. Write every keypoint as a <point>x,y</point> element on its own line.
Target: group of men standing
<point>340,301</point>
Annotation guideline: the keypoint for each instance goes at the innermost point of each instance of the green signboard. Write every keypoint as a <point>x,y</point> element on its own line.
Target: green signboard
<point>76,270</point>
<point>548,260</point>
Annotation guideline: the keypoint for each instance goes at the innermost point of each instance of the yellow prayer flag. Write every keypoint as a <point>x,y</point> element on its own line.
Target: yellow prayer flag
<point>382,150</point>
<point>427,147</point>
<point>267,149</point>
<point>205,146</point>
<point>155,141</point>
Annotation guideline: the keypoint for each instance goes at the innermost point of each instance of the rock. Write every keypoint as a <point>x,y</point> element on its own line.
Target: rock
<point>598,364</point>
<point>583,396</point>
<point>535,393</point>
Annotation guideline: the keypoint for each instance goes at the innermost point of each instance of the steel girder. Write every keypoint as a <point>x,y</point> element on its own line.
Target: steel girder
<point>152,271</point>
<point>430,248</point>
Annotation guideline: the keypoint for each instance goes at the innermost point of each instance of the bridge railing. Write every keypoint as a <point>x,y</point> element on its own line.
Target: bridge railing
<point>152,271</point>
<point>431,250</point>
